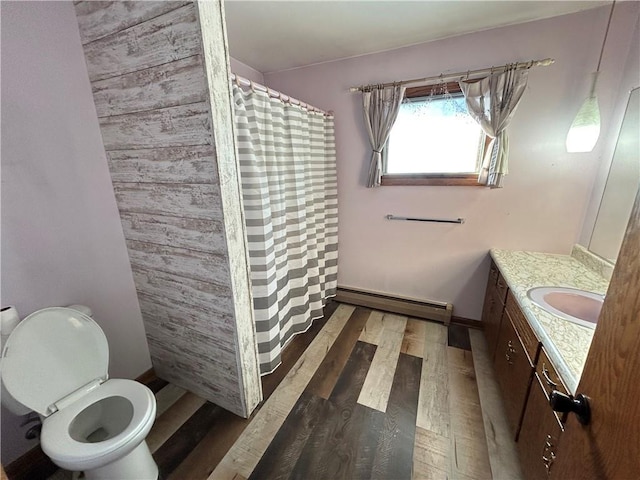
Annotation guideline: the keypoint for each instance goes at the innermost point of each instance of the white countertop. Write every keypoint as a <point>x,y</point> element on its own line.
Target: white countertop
<point>566,343</point>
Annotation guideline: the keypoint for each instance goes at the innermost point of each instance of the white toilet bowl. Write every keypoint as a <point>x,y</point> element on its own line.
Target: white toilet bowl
<point>55,363</point>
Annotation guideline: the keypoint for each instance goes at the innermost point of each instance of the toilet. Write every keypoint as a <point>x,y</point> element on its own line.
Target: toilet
<point>55,363</point>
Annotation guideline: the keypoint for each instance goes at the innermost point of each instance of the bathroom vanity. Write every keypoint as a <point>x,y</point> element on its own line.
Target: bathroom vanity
<point>535,352</point>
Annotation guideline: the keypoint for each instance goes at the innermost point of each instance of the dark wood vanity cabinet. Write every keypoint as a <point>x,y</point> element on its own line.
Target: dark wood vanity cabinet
<point>493,307</point>
<point>513,369</point>
<point>526,377</point>
<point>539,434</point>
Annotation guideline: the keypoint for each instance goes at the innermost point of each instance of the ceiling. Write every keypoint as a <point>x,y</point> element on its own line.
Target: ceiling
<point>278,35</point>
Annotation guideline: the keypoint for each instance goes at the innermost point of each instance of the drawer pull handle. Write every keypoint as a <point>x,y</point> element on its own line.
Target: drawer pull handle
<point>548,455</point>
<point>510,351</point>
<point>545,374</point>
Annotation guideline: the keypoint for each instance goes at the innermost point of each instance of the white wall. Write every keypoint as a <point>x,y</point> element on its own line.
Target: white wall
<point>62,241</point>
<point>543,204</point>
<point>246,71</point>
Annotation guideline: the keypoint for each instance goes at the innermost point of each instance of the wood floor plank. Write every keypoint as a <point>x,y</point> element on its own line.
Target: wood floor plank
<point>176,416</point>
<point>166,397</point>
<point>156,384</point>
<point>503,456</point>
<point>469,456</point>
<point>377,385</point>
<point>394,454</point>
<point>294,350</point>
<point>433,401</point>
<point>458,336</point>
<point>330,450</point>
<point>329,370</point>
<point>373,329</point>
<point>204,458</point>
<point>430,455</point>
<point>414,337</point>
<point>285,449</point>
<point>176,448</point>
<point>246,452</point>
<point>436,333</point>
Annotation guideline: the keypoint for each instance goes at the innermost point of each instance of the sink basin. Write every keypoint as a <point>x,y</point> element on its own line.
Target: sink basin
<point>577,306</point>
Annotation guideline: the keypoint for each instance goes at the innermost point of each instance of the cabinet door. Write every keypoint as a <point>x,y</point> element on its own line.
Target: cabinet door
<point>491,318</point>
<point>539,435</point>
<point>514,372</point>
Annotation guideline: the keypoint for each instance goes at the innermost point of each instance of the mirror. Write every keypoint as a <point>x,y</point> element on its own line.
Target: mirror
<point>622,184</point>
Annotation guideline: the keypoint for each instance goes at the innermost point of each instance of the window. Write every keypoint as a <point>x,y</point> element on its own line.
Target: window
<point>434,140</point>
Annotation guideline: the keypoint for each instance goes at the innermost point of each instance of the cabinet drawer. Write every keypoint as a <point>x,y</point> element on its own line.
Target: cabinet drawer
<point>539,435</point>
<point>501,288</point>
<point>529,339</point>
<point>548,375</point>
<point>549,379</point>
<point>497,282</point>
<point>513,371</point>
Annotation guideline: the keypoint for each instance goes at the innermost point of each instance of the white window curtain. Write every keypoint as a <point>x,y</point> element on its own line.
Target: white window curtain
<point>381,106</point>
<point>289,189</point>
<point>492,102</point>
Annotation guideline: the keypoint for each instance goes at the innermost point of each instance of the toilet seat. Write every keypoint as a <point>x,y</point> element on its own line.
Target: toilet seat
<point>53,354</point>
<point>58,444</point>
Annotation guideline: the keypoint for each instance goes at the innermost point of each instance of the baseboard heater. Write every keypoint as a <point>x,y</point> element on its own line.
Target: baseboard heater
<point>437,311</point>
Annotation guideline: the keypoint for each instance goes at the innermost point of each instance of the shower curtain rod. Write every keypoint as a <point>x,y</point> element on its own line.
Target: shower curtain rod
<point>239,80</point>
<point>519,66</point>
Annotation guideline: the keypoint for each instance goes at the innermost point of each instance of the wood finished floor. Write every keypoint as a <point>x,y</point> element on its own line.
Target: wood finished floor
<point>363,394</point>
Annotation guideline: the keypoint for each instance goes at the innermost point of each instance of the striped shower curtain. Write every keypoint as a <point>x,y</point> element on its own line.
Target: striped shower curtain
<point>289,190</point>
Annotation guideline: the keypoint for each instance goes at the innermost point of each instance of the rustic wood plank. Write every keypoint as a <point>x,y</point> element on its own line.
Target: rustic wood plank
<point>329,370</point>
<point>468,446</point>
<point>169,456</point>
<point>195,164</point>
<point>210,300</point>
<point>330,450</point>
<point>183,125</point>
<point>166,397</point>
<point>164,313</point>
<point>433,400</point>
<point>294,350</point>
<point>156,384</point>
<point>196,201</point>
<point>249,448</point>
<point>167,424</point>
<point>162,39</point>
<point>167,85</point>
<point>216,59</point>
<point>414,338</point>
<point>201,461</point>
<point>375,392</point>
<point>394,454</point>
<point>280,458</point>
<point>373,329</point>
<point>503,457</point>
<point>203,266</point>
<point>204,235</point>
<point>436,333</point>
<point>458,336</point>
<point>99,19</point>
<point>430,455</point>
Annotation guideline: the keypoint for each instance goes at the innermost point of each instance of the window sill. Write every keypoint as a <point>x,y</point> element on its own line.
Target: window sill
<point>444,180</point>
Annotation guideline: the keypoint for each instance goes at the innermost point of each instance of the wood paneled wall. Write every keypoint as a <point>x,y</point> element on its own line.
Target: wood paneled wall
<point>156,69</point>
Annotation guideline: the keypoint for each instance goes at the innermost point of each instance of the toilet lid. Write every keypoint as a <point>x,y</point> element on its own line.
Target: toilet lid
<point>51,354</point>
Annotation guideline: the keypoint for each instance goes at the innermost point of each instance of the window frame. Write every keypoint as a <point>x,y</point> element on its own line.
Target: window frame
<point>433,179</point>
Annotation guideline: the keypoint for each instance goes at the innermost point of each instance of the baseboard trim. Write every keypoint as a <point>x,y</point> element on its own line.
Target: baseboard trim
<point>467,322</point>
<point>439,312</point>
<point>33,464</point>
